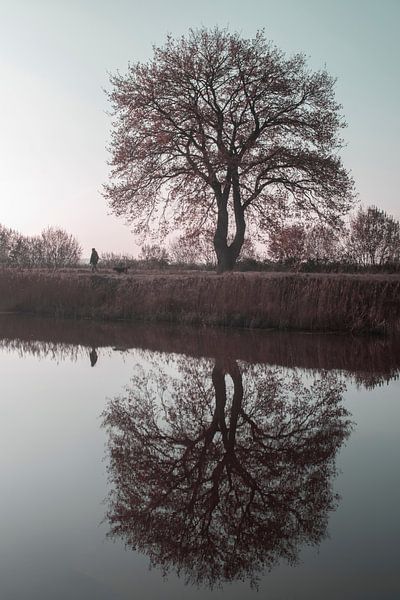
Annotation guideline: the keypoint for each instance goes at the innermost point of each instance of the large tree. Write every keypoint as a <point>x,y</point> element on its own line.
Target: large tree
<point>217,129</point>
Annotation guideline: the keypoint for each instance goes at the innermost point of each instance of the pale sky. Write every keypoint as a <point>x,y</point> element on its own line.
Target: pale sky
<point>55,56</point>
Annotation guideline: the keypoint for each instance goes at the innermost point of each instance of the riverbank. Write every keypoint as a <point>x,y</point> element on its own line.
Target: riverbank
<point>312,302</point>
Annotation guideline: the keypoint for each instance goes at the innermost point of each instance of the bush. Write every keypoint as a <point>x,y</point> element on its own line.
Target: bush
<point>111,260</point>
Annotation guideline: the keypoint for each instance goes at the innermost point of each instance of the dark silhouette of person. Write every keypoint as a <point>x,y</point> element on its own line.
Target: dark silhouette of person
<point>94,259</point>
<point>93,357</point>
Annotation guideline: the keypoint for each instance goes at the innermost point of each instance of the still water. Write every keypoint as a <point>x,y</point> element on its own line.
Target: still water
<point>165,462</point>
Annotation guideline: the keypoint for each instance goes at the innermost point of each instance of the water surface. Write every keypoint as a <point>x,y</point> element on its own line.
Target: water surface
<point>233,463</point>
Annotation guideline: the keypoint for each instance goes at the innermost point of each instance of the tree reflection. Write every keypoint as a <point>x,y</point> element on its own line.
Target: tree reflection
<point>222,471</point>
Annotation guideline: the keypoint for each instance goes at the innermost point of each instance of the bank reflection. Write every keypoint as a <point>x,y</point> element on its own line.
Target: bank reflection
<point>368,361</point>
<point>225,468</point>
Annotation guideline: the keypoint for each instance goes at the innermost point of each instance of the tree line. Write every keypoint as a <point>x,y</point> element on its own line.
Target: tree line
<point>370,240</point>
<point>53,248</point>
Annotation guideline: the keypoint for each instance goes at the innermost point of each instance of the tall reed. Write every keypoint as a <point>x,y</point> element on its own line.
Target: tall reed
<point>315,302</point>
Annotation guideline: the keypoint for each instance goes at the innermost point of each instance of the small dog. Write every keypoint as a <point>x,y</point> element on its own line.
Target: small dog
<point>120,269</point>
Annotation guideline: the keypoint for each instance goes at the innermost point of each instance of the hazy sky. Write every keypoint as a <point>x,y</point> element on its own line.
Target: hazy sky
<point>55,56</point>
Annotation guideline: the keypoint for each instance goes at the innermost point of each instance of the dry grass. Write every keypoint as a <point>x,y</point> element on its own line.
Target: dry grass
<point>314,302</point>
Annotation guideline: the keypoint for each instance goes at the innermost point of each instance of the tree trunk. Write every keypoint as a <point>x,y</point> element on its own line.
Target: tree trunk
<point>226,259</point>
<point>222,368</point>
<point>227,254</point>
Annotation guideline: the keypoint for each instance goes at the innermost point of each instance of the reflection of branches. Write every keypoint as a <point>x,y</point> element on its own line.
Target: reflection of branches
<point>217,477</point>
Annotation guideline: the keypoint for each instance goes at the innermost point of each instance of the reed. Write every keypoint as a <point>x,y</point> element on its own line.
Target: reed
<point>313,302</point>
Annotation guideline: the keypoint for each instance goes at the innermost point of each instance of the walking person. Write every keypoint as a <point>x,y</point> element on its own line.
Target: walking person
<point>94,259</point>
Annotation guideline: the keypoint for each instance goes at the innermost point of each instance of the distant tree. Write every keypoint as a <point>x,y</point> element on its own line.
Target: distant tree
<point>322,244</point>
<point>224,132</point>
<point>111,259</point>
<point>287,244</point>
<point>53,248</point>
<point>18,254</point>
<point>153,253</point>
<point>374,237</point>
<point>5,243</point>
<point>18,250</point>
<point>59,249</point>
<point>248,250</point>
<point>181,250</point>
<point>33,251</point>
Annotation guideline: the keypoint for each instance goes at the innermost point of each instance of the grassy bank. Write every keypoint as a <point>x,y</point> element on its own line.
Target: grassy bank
<point>315,302</point>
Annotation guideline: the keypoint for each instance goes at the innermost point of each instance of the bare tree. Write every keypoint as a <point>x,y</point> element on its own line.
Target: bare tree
<point>224,132</point>
<point>5,243</point>
<point>153,253</point>
<point>18,250</point>
<point>323,244</point>
<point>374,237</point>
<point>34,255</point>
<point>288,244</point>
<point>53,248</point>
<point>59,248</point>
<point>183,250</point>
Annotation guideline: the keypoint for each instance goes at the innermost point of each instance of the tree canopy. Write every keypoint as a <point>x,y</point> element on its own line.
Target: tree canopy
<point>224,132</point>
